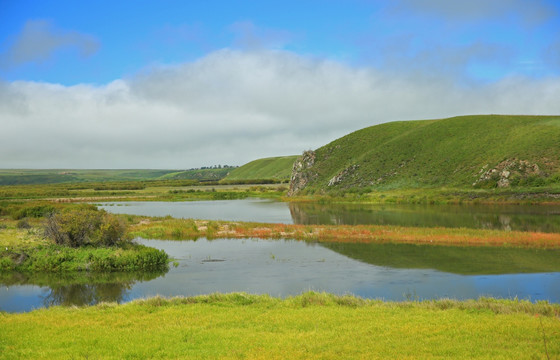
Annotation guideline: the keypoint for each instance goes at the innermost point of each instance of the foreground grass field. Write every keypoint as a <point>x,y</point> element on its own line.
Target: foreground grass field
<point>305,327</point>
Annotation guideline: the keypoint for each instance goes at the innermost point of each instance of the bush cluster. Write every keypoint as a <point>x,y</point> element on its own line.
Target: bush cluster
<point>56,258</point>
<point>75,227</point>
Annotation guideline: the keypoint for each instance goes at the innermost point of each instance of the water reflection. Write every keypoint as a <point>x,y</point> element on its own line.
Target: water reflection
<point>259,210</point>
<point>85,294</point>
<point>453,259</point>
<point>388,271</point>
<point>510,217</point>
<point>288,267</point>
<point>77,288</point>
<point>506,217</point>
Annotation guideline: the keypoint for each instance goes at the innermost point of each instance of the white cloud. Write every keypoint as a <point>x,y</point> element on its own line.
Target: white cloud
<point>39,40</point>
<point>231,107</point>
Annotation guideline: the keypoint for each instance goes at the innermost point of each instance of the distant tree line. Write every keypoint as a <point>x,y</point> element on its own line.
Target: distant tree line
<point>214,167</point>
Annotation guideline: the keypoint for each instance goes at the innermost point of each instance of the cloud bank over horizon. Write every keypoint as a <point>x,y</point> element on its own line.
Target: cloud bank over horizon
<point>232,106</point>
<point>182,85</point>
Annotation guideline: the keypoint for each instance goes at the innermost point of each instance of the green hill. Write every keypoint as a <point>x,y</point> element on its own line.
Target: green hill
<point>274,168</point>
<point>482,151</point>
<point>198,174</point>
<point>55,176</point>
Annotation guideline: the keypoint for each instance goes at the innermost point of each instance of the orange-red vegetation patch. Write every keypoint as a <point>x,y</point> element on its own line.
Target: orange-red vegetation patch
<point>187,229</point>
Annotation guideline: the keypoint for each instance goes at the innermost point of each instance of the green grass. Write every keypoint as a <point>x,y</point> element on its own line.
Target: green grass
<point>435,153</point>
<point>52,176</point>
<point>65,176</point>
<point>275,168</point>
<point>27,250</point>
<point>310,326</point>
<point>198,174</point>
<point>162,190</point>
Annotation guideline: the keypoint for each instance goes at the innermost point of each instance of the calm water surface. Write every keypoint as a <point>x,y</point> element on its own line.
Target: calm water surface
<point>257,210</point>
<point>283,268</point>
<point>510,217</point>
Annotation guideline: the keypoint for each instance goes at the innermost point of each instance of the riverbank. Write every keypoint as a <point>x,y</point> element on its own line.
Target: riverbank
<point>441,196</point>
<point>187,191</point>
<point>307,326</point>
<point>188,229</point>
<point>25,249</point>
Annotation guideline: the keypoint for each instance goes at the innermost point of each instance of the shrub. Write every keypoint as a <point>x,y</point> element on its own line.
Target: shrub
<point>35,211</point>
<point>84,226</point>
<point>111,231</point>
<point>23,224</point>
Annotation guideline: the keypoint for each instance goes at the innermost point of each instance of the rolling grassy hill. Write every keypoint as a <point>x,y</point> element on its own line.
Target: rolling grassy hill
<point>276,168</point>
<point>483,151</point>
<point>198,174</point>
<point>55,176</point>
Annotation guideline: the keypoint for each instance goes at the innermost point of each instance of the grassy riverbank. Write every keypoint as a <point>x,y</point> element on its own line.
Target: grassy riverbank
<point>305,327</point>
<point>183,229</point>
<point>441,196</point>
<point>25,248</point>
<point>189,190</point>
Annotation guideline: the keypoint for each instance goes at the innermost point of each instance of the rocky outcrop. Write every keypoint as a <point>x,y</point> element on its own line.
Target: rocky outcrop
<point>503,173</point>
<point>302,172</point>
<point>342,175</point>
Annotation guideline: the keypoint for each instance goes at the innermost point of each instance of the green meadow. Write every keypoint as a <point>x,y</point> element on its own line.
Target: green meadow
<point>309,326</point>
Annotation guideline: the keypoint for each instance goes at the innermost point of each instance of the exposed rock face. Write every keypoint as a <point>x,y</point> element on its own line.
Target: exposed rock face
<point>302,172</point>
<point>342,175</point>
<point>504,171</point>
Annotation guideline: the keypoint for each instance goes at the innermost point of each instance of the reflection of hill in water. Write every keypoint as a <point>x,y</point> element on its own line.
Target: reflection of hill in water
<point>79,288</point>
<point>511,217</point>
<point>451,259</point>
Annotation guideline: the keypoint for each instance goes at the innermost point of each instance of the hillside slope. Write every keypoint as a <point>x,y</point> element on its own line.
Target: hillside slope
<point>274,168</point>
<point>198,174</point>
<point>469,151</point>
<point>55,176</point>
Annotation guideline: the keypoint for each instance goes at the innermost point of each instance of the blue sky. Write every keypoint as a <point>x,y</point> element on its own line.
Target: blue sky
<point>179,84</point>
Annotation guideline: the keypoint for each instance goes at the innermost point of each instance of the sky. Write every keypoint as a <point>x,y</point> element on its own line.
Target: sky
<point>183,84</point>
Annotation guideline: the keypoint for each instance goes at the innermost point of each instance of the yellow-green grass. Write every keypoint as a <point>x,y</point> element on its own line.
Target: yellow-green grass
<point>11,236</point>
<point>310,326</point>
<point>170,228</point>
